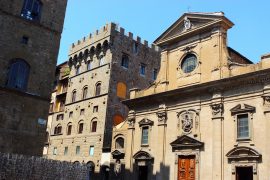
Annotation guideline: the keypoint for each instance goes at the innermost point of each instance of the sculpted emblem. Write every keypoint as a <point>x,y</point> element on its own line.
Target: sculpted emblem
<point>187,122</point>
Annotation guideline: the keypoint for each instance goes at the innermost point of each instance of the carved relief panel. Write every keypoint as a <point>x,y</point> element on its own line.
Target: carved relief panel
<point>188,122</point>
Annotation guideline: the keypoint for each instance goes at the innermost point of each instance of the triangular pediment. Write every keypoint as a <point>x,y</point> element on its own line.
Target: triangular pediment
<point>186,142</point>
<point>146,122</point>
<point>240,108</point>
<point>191,22</point>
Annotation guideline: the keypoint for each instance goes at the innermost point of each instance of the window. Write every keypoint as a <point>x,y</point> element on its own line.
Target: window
<point>18,74</point>
<point>66,151</point>
<point>189,63</point>
<point>121,90</point>
<point>101,60</point>
<point>55,151</point>
<point>58,130</point>
<point>125,61</point>
<point>135,48</point>
<point>24,40</point>
<point>94,126</point>
<point>85,90</point>
<point>154,77</point>
<point>69,129</point>
<point>77,70</point>
<point>142,69</point>
<point>117,119</point>
<point>51,107</point>
<point>60,117</point>
<point>31,9</point>
<point>91,150</point>
<point>62,105</point>
<point>119,143</point>
<point>82,112</point>
<point>242,126</point>
<point>78,149</point>
<point>80,131</point>
<point>70,114</point>
<point>73,97</point>
<point>98,89</point>
<point>89,65</point>
<point>145,132</point>
<point>95,109</point>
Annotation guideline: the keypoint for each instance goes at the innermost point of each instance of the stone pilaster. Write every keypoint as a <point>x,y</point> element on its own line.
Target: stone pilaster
<point>162,127</point>
<point>217,108</point>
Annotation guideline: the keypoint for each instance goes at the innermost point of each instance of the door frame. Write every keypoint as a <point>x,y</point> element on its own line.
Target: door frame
<point>195,153</point>
<point>234,165</point>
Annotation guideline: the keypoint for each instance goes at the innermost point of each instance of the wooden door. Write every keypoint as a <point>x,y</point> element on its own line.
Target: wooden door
<point>186,168</point>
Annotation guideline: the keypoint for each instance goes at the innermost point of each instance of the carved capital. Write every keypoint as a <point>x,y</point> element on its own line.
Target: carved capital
<point>162,114</point>
<point>217,109</point>
<point>266,100</point>
<point>131,119</point>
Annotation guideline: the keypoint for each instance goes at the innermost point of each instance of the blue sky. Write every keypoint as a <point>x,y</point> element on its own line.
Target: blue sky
<point>149,18</point>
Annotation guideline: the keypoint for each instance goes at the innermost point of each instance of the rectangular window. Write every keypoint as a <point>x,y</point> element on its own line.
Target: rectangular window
<point>78,148</point>
<point>94,126</point>
<point>82,112</point>
<point>70,114</point>
<point>60,117</point>
<point>242,126</point>
<point>55,151</point>
<point>154,74</point>
<point>91,151</point>
<point>135,48</point>
<point>145,132</point>
<point>24,40</point>
<point>95,109</point>
<point>66,151</point>
<point>142,69</point>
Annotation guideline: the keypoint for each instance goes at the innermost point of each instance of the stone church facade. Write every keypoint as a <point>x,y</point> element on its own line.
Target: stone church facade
<point>30,38</point>
<point>205,117</point>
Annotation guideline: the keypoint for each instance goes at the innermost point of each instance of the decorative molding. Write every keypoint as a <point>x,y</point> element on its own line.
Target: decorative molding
<point>146,122</point>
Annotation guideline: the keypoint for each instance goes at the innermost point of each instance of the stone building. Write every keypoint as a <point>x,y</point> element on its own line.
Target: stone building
<point>29,42</point>
<point>103,67</point>
<point>205,117</point>
<point>58,99</point>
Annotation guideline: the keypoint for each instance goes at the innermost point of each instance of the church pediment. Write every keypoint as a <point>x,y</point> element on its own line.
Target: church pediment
<point>240,108</point>
<point>186,142</point>
<point>190,22</point>
<point>243,153</point>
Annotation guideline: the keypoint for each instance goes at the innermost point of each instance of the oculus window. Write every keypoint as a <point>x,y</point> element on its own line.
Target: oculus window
<point>189,63</point>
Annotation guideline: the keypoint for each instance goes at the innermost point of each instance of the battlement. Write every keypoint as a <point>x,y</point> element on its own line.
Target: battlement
<point>104,32</point>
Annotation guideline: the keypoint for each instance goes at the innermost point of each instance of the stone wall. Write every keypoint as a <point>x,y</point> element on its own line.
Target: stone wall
<point>14,166</point>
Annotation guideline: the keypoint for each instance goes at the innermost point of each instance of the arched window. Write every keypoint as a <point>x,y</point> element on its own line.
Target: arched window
<point>80,129</point>
<point>98,89</point>
<point>125,61</point>
<point>117,119</point>
<point>94,126</point>
<point>69,129</point>
<point>18,74</point>
<point>119,143</point>
<point>31,9</point>
<point>73,97</point>
<point>121,90</point>
<point>85,90</point>
<point>58,129</point>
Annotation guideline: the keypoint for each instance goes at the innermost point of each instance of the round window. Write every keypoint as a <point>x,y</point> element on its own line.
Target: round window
<point>189,63</point>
